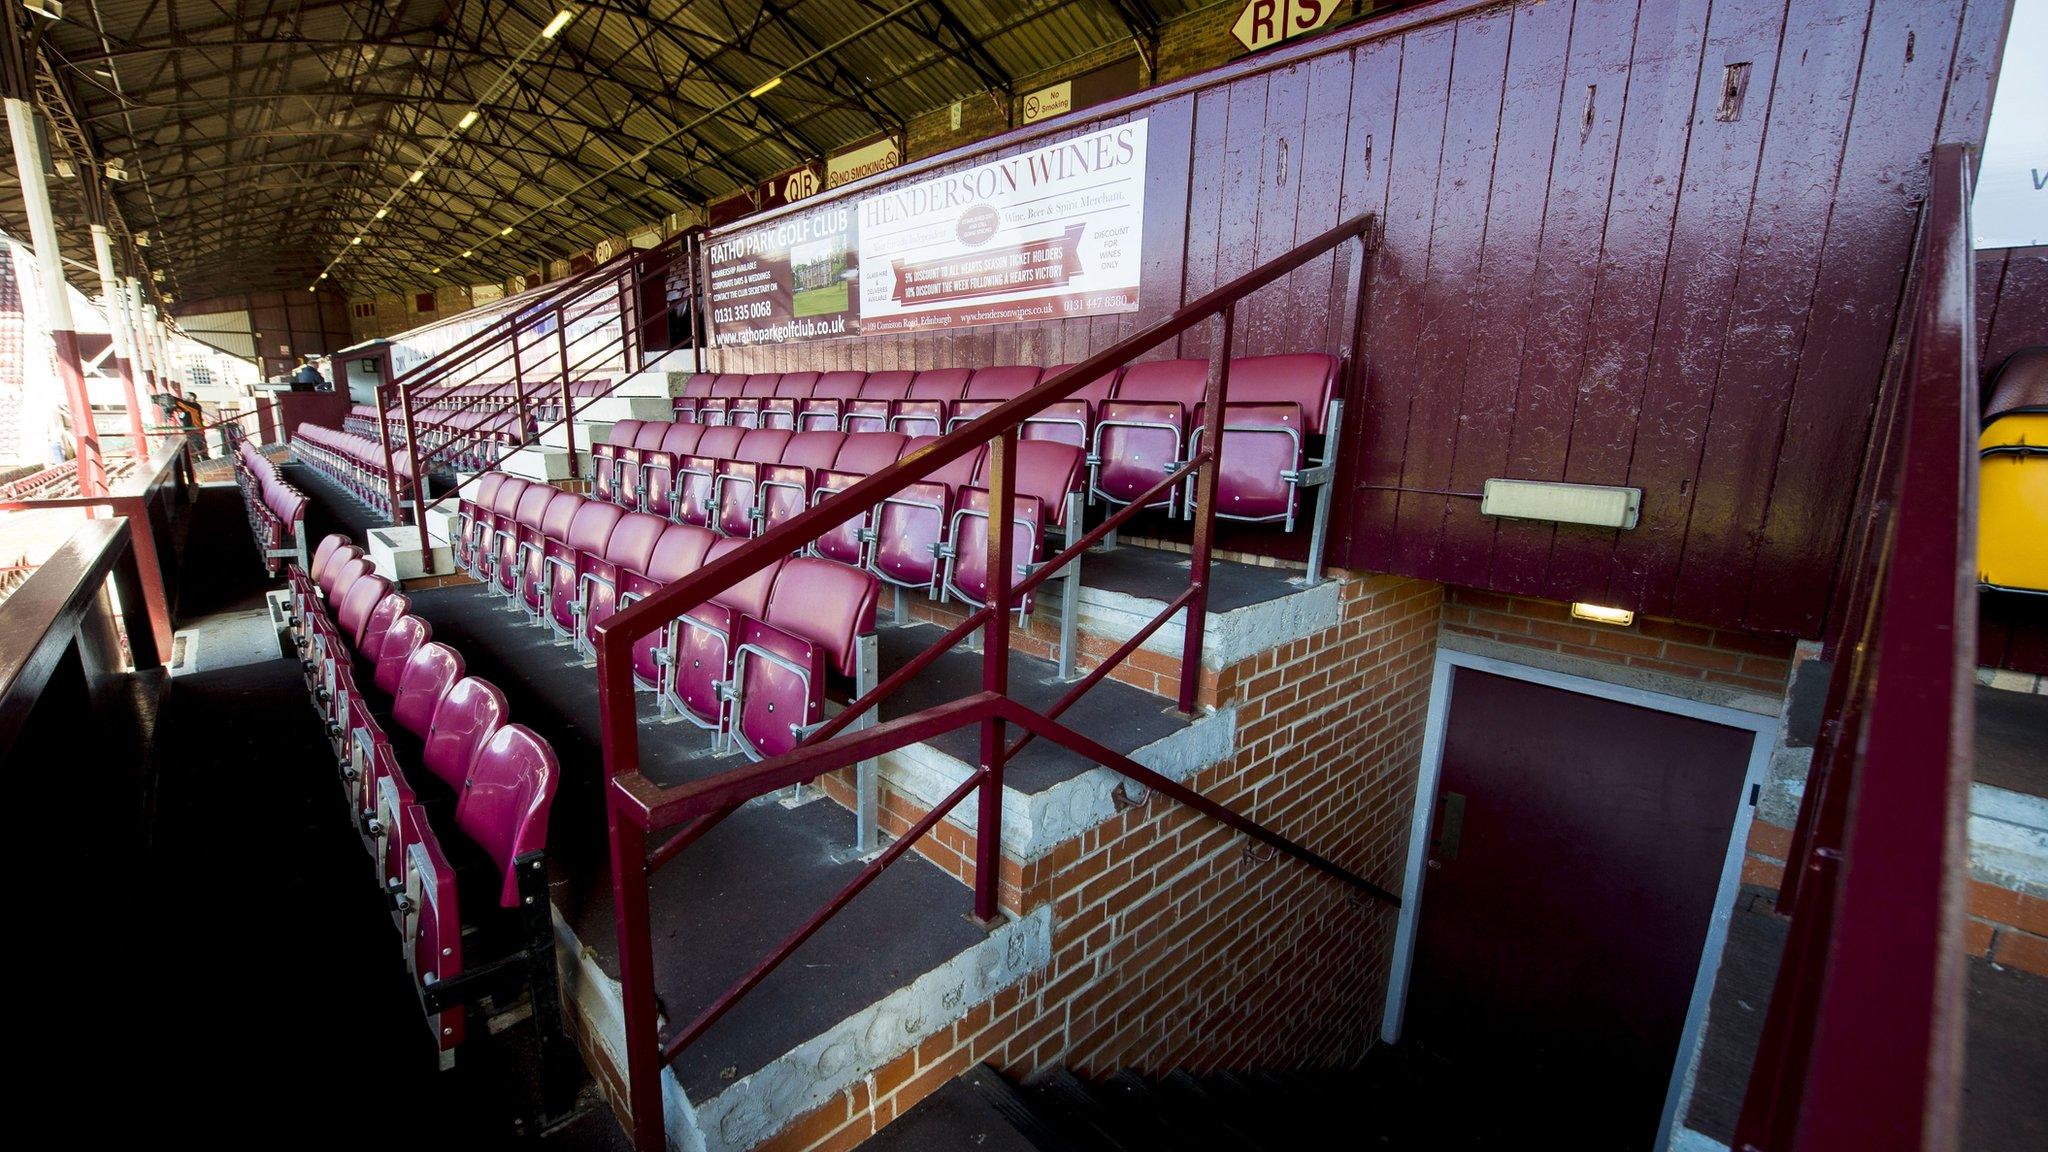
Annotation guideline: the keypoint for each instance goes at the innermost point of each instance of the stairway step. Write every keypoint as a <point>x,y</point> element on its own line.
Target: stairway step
<point>1016,1109</point>
<point>970,1112</point>
<point>1074,1108</point>
<point>1186,1097</point>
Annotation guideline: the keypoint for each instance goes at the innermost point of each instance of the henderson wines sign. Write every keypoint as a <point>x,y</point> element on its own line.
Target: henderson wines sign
<point>1050,233</point>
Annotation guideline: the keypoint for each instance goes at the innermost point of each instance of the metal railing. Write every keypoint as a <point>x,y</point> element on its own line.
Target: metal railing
<point>638,806</point>
<point>543,349</point>
<point>1862,1045</point>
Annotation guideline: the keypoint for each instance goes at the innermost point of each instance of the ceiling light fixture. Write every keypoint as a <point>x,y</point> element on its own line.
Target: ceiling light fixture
<point>556,25</point>
<point>47,9</point>
<point>382,213</point>
<point>505,231</point>
<point>765,88</point>
<point>468,118</point>
<point>417,176</point>
<point>467,255</point>
<point>357,240</point>
<point>435,272</point>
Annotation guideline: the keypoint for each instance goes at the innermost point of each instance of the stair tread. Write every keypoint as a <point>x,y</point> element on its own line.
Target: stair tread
<point>961,1114</point>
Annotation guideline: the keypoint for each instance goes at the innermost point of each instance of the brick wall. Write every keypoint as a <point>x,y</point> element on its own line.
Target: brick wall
<point>1668,648</point>
<point>1174,946</point>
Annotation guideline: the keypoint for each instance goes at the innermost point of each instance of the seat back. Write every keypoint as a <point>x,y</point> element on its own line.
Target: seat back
<point>330,545</point>
<point>347,565</point>
<point>761,445</point>
<point>866,453</point>
<point>382,617</point>
<point>751,594</point>
<point>908,527</point>
<point>401,640</point>
<point>506,799</point>
<point>1307,378</point>
<point>954,475</point>
<point>829,604</point>
<point>429,672</point>
<point>939,384</point>
<point>813,449</point>
<point>360,602</point>
<point>1177,381</point>
<point>1002,382</point>
<point>886,385</point>
<point>632,542</point>
<point>1046,470</point>
<point>841,385</point>
<point>967,576</point>
<point>679,552</point>
<point>468,715</point>
<point>721,443</point>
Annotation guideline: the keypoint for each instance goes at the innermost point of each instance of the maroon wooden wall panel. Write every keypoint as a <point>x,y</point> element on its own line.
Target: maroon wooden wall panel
<point>1596,267</point>
<point>1657,119</point>
<point>2012,302</point>
<point>1529,113</point>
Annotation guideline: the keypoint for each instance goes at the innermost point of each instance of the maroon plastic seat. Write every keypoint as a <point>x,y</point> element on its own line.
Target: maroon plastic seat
<point>506,800</point>
<point>324,553</point>
<point>604,458</point>
<point>382,617</point>
<point>924,410</point>
<point>967,568</point>
<point>523,528</point>
<point>1276,405</point>
<point>352,618</point>
<point>347,565</point>
<point>658,467</point>
<point>824,409</point>
<point>628,549</point>
<point>701,646</point>
<point>401,640</point>
<point>1142,431</point>
<point>744,410</point>
<point>989,388</point>
<point>1047,470</point>
<point>469,714</point>
<point>791,390</point>
<point>679,552</point>
<point>908,529</point>
<point>870,411</point>
<point>647,441</point>
<point>866,453</point>
<point>695,390</point>
<point>568,558</point>
<point>848,543</point>
<point>1071,421</point>
<point>696,475</point>
<point>429,672</point>
<point>815,618</point>
<point>494,518</point>
<point>735,482</point>
<point>784,488</point>
<point>554,525</point>
<point>724,390</point>
<point>430,920</point>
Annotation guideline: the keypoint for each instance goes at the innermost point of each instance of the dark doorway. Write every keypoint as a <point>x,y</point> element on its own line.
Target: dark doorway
<point>1574,856</point>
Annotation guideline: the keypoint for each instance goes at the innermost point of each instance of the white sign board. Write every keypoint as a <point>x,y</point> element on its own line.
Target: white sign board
<point>2011,205</point>
<point>1041,235</point>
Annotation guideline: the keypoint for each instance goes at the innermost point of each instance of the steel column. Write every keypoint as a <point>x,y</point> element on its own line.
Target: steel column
<point>568,400</point>
<point>35,196</point>
<point>117,329</point>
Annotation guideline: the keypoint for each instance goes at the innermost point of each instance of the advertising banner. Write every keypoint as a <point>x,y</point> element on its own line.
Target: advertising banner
<point>1054,232</point>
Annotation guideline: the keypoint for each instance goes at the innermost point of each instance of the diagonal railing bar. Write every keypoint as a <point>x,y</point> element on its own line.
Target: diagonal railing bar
<point>636,805</point>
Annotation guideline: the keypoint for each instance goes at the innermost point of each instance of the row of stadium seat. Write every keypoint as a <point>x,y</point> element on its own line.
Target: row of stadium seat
<point>473,426</point>
<point>432,770</point>
<point>276,510</point>
<point>357,463</point>
<point>757,665</point>
<point>1135,425</point>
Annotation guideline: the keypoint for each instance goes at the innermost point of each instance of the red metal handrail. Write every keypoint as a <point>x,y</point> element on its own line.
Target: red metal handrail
<point>1861,1048</point>
<point>635,805</point>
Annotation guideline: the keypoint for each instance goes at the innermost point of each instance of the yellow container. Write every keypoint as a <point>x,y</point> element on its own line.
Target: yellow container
<point>2012,478</point>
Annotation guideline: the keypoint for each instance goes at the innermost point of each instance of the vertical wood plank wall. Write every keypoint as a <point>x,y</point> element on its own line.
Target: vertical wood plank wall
<point>1658,243</point>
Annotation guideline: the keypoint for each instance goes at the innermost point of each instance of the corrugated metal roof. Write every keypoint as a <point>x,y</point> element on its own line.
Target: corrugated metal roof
<point>260,145</point>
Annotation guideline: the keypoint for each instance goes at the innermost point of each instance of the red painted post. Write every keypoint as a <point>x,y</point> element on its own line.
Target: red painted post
<point>266,421</point>
<point>419,480</point>
<point>568,401</point>
<point>1213,399</point>
<point>995,677</point>
<point>619,742</point>
<point>383,437</point>
<point>519,384</point>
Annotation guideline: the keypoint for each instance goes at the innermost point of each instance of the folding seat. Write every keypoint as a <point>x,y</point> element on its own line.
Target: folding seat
<point>966,550</point>
<point>818,616</point>
<point>597,585</point>
<point>744,410</point>
<point>866,453</point>
<point>990,387</point>
<point>388,612</point>
<point>401,640</point>
<point>428,674</point>
<point>691,502</point>
<point>430,923</point>
<point>1071,421</point>
<point>1051,472</point>
<point>785,486</point>
<point>658,467</point>
<point>469,715</point>
<point>303,581</point>
<point>679,552</point>
<point>736,482</point>
<point>352,617</point>
<point>695,390</point>
<point>908,533</point>
<point>1142,431</point>
<point>523,528</point>
<point>490,519</point>
<point>1275,406</point>
<point>505,806</point>
<point>627,491</point>
<point>791,390</point>
<point>700,644</point>
<point>604,459</point>
<point>824,409</point>
<point>870,411</point>
<point>567,559</point>
<point>924,409</point>
<point>724,390</point>
<point>533,575</point>
<point>862,454</point>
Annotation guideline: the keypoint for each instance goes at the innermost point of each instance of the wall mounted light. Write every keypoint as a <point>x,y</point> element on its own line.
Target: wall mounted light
<point>1602,614</point>
<point>1600,505</point>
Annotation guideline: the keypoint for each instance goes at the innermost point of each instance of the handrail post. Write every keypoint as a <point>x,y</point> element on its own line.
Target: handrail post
<point>1214,396</point>
<point>568,400</point>
<point>419,483</point>
<point>995,677</point>
<point>384,436</point>
<point>519,384</point>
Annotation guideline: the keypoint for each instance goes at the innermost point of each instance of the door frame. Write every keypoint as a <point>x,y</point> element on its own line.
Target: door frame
<point>1763,735</point>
